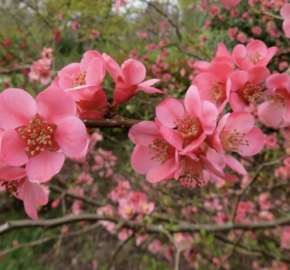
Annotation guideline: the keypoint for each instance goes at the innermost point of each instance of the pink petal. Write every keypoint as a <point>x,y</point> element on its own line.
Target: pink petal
<point>234,164</point>
<point>230,3</point>
<point>71,135</point>
<point>237,103</point>
<point>222,71</point>
<point>194,144</point>
<point>54,104</point>
<point>212,166</point>
<point>192,101</point>
<point>17,108</point>
<point>83,155</point>
<point>161,171</point>
<point>146,86</point>
<point>84,92</point>
<point>269,115</point>
<point>286,27</point>
<point>204,81</point>
<point>32,194</point>
<point>88,57</point>
<point>172,137</point>
<point>10,172</point>
<point>117,5</point>
<point>133,72</point>
<point>141,159</point>
<point>278,81</point>
<point>230,178</point>
<point>255,138</point>
<point>285,11</point>
<point>201,66</point>
<point>112,66</point>
<point>241,121</point>
<point>168,111</point>
<point>257,46</point>
<point>67,75</point>
<point>270,53</point>
<point>258,74</point>
<point>287,112</point>
<point>239,54</point>
<point>208,118</point>
<point>44,166</point>
<point>238,80</point>
<point>13,148</point>
<point>144,133</point>
<point>96,72</point>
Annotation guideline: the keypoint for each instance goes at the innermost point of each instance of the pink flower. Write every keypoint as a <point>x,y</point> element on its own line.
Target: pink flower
<point>222,55</point>
<point>232,32</point>
<point>152,155</point>
<point>95,33</point>
<point>285,13</point>
<point>126,209</point>
<point>277,108</point>
<point>182,240</point>
<point>37,130</point>
<point>142,35</point>
<point>283,65</point>
<point>264,202</point>
<point>234,13</point>
<point>212,84</point>
<point>236,133</point>
<point>246,87</point>
<point>186,127</point>
<point>60,16</point>
<point>207,24</point>
<point>254,54</point>
<point>74,25</point>
<point>82,81</point>
<point>129,79</point>
<point>241,37</point>
<point>257,30</point>
<point>30,193</point>
<point>229,3</point>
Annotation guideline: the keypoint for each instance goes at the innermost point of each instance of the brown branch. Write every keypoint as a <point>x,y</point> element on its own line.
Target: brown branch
<point>255,176</point>
<point>73,195</point>
<point>114,122</point>
<point>11,70</point>
<point>46,239</point>
<point>118,249</point>
<point>13,225</point>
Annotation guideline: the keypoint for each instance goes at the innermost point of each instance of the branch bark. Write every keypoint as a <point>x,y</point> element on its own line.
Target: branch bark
<point>114,122</point>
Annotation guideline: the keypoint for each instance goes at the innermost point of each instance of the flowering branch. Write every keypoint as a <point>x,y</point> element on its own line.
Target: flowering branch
<point>114,122</point>
<point>256,174</point>
<point>12,225</point>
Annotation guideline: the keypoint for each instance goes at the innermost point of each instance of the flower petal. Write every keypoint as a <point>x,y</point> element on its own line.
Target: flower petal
<point>71,135</point>
<point>133,72</point>
<point>44,166</point>
<point>192,101</point>
<point>17,108</point>
<point>13,148</point>
<point>255,138</point>
<point>168,111</point>
<point>234,164</point>
<point>208,118</point>
<point>269,115</point>
<point>54,104</point>
<point>144,133</point>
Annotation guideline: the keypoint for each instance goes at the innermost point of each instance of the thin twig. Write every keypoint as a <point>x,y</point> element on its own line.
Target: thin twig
<point>115,122</point>
<point>255,176</point>
<point>118,249</point>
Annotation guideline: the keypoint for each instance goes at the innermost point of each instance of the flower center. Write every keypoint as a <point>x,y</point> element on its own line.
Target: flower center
<point>80,79</point>
<point>217,92</point>
<point>250,92</point>
<point>279,98</point>
<point>254,58</point>
<point>38,136</point>
<point>189,127</point>
<point>231,140</point>
<point>191,179</point>
<point>161,150</point>
<point>13,186</point>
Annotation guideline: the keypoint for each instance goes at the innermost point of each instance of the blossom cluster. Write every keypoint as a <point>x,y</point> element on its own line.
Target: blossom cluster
<point>40,69</point>
<point>37,135</point>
